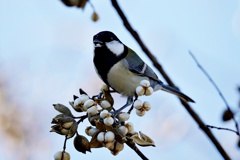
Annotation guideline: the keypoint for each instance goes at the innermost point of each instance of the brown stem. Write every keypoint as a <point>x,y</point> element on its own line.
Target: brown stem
<point>134,147</point>
<point>197,119</point>
<point>220,128</point>
<point>64,147</point>
<point>82,118</point>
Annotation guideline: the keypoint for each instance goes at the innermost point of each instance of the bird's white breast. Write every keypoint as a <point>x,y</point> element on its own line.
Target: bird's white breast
<point>122,80</point>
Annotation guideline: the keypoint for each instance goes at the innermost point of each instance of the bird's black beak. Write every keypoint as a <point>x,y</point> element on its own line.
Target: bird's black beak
<point>97,42</point>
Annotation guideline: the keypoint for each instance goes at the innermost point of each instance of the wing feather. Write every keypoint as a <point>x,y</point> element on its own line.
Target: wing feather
<point>139,66</point>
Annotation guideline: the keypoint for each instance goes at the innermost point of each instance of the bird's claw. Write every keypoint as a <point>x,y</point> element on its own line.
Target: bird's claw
<point>99,96</point>
<point>115,114</point>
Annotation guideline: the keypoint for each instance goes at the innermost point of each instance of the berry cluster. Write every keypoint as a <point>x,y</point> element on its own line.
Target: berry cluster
<point>106,130</point>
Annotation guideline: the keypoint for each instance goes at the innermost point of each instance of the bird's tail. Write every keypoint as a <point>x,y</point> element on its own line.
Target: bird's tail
<point>174,91</point>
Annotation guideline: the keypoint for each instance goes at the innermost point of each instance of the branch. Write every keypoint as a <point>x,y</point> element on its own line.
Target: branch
<point>218,90</point>
<point>134,147</point>
<point>205,129</point>
<point>220,128</point>
<point>64,147</point>
<point>82,118</point>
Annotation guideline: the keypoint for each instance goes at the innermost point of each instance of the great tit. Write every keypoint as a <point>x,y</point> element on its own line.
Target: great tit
<point>122,69</point>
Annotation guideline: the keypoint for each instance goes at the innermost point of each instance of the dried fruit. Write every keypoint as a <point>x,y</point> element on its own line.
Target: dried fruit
<point>227,115</point>
<point>63,109</point>
<point>81,144</point>
<point>58,155</point>
<point>143,140</point>
<point>95,17</point>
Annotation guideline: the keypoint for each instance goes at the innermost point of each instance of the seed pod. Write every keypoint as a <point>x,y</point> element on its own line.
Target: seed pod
<point>130,128</point>
<point>108,121</point>
<point>65,119</point>
<point>101,136</point>
<point>109,136</point>
<point>81,3</point>
<point>94,143</point>
<point>93,118</point>
<point>87,104</point>
<point>67,125</point>
<point>55,120</point>
<point>78,102</point>
<point>59,154</point>
<point>143,140</point>
<point>104,87</point>
<point>123,116</point>
<point>70,3</point>
<point>227,115</point>
<point>63,109</point>
<point>117,148</point>
<point>95,16</point>
<point>145,83</point>
<point>81,144</point>
<point>92,110</point>
<point>110,145</point>
<point>105,104</point>
<point>123,130</point>
<point>140,90</point>
<point>104,114</point>
<point>64,131</point>
<point>140,112</point>
<point>72,130</point>
<point>138,104</point>
<point>90,131</point>
<point>146,138</point>
<point>146,106</point>
<point>148,91</point>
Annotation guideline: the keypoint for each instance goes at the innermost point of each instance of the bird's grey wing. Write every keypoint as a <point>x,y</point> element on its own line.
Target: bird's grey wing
<point>138,66</point>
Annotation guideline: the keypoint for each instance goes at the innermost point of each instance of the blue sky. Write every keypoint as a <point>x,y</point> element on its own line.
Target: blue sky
<point>46,56</point>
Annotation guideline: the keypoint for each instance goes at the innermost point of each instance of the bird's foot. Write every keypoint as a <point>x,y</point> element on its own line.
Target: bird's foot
<point>117,112</point>
<point>115,116</point>
<point>99,96</point>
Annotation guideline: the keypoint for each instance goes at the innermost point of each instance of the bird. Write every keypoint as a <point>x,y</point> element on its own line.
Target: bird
<point>122,69</point>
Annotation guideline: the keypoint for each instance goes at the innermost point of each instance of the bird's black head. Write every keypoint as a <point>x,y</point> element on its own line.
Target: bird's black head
<point>110,41</point>
<point>103,37</point>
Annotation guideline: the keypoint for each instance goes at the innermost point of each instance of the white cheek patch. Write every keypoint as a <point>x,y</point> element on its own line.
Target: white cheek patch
<point>115,47</point>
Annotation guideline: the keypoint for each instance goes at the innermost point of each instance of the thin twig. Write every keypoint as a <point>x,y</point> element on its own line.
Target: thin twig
<point>64,147</point>
<point>169,81</point>
<point>65,143</point>
<point>91,5</point>
<point>130,110</point>
<point>217,88</point>
<point>82,118</point>
<point>220,128</point>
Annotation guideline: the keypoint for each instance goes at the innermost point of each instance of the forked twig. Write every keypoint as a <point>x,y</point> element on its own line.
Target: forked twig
<point>220,128</point>
<point>219,92</point>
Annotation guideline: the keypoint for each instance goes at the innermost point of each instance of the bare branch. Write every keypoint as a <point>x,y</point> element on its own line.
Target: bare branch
<point>134,147</point>
<point>218,90</point>
<point>220,128</point>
